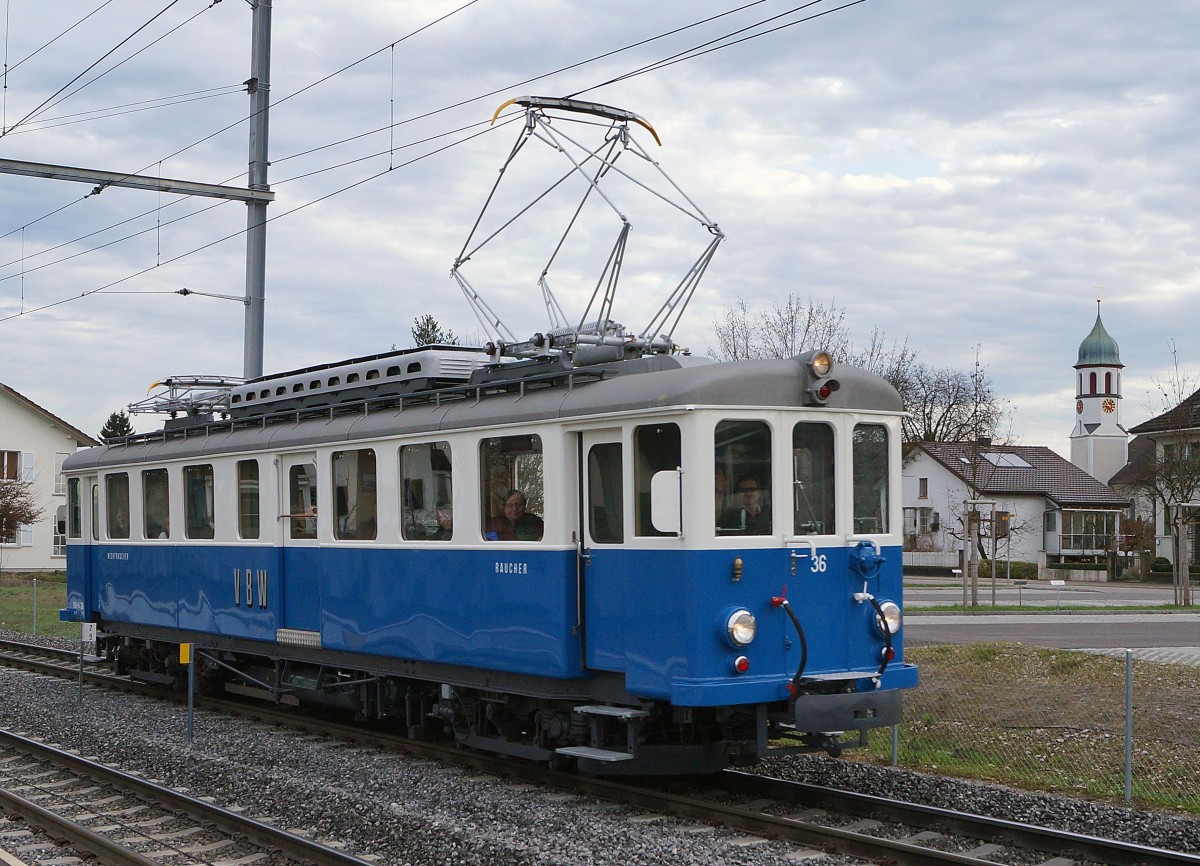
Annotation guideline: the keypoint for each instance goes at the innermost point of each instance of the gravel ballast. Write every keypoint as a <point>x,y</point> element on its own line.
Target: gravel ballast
<point>410,811</point>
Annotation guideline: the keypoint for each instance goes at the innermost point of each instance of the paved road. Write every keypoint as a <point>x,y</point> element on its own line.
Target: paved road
<point>1163,637</point>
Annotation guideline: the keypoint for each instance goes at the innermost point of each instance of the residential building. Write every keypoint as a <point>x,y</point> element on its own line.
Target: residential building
<point>33,445</point>
<point>1175,470</point>
<point>1045,508</point>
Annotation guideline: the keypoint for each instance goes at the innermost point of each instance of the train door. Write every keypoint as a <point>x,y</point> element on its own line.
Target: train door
<point>601,536</point>
<point>300,568</point>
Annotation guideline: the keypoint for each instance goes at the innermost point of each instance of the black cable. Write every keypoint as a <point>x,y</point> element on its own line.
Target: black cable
<point>794,686</point>
<point>107,54</point>
<point>33,54</point>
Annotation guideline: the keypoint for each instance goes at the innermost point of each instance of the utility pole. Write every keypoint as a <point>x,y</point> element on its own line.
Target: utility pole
<point>257,195</point>
<point>259,88</point>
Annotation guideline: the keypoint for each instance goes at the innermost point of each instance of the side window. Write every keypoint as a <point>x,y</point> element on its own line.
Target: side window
<point>74,510</point>
<point>870,478</point>
<point>655,448</point>
<point>199,517</point>
<point>302,500</point>
<point>812,479</point>
<point>742,450</point>
<point>512,488</point>
<point>156,506</point>
<point>96,512</point>
<point>247,498</point>
<point>116,497</point>
<point>427,492</point>
<point>606,515</point>
<point>354,494</point>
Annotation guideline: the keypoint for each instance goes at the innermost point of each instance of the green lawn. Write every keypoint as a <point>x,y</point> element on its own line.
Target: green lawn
<point>16,606</point>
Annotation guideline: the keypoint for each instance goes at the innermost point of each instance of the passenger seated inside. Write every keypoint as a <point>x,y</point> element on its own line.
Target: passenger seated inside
<point>748,516</point>
<point>445,520</point>
<point>516,524</point>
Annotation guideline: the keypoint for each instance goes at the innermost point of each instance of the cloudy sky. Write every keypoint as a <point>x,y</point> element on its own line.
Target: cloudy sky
<point>961,175</point>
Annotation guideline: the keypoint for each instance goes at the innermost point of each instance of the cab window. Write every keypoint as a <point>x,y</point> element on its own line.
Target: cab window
<point>812,479</point>
<point>870,478</point>
<point>656,448</point>
<point>742,452</point>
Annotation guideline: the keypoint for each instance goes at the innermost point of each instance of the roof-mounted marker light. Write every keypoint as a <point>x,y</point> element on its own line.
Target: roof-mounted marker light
<point>821,364</point>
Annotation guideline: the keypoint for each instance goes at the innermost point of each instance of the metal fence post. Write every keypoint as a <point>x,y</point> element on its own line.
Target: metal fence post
<point>895,745</point>
<point>35,605</point>
<point>1128,725</point>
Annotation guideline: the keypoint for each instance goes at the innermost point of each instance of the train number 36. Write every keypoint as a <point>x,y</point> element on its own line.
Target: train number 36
<point>818,563</point>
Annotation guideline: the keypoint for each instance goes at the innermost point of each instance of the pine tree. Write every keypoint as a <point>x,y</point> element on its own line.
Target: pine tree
<point>117,426</point>
<point>427,331</point>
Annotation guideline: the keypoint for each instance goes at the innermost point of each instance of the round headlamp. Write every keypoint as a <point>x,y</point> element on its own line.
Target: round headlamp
<point>821,364</point>
<point>890,621</point>
<point>741,627</point>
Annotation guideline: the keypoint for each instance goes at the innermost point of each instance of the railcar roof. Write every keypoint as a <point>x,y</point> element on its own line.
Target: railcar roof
<point>663,382</point>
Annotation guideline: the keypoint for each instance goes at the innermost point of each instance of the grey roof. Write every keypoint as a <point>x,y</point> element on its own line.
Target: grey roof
<point>668,384</point>
<point>1185,416</point>
<point>1099,348</point>
<point>1048,474</point>
<point>1139,471</point>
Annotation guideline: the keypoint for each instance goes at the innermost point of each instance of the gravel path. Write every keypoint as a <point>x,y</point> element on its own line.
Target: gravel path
<point>408,811</point>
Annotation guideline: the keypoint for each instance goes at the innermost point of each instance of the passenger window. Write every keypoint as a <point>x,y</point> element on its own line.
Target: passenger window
<point>302,500</point>
<point>96,512</point>
<point>247,498</point>
<point>426,492</point>
<point>812,479</point>
<point>512,488</point>
<point>156,505</point>
<point>656,448</point>
<point>74,509</point>
<point>117,498</point>
<point>199,518</point>
<point>605,511</point>
<point>742,450</point>
<point>354,494</point>
<point>870,478</point>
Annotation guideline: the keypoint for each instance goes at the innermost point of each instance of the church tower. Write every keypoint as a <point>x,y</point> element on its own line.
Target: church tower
<point>1099,444</point>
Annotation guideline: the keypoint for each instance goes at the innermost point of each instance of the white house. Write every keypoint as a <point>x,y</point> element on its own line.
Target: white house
<point>1055,511</point>
<point>33,445</point>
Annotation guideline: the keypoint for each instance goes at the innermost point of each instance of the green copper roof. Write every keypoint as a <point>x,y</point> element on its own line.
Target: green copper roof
<point>1099,348</point>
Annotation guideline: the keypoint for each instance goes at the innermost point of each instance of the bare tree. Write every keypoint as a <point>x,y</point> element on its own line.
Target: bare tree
<point>949,405</point>
<point>18,507</point>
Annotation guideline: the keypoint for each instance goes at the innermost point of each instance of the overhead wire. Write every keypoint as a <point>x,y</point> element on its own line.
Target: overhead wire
<point>44,103</point>
<point>129,108</point>
<point>46,45</point>
<point>696,51</point>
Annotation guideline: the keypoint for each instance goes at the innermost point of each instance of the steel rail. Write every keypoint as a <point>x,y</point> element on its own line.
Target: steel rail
<point>256,832</point>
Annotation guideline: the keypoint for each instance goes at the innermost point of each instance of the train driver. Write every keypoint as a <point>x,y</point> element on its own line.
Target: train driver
<point>749,515</point>
<point>516,524</point>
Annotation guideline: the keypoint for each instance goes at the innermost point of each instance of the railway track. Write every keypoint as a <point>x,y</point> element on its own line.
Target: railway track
<point>816,819</point>
<point>123,819</point>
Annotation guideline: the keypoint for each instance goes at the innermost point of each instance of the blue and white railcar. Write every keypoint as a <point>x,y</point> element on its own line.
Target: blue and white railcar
<point>707,568</point>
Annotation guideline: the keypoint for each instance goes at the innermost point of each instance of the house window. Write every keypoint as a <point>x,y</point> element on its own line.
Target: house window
<point>60,481</point>
<point>922,488</point>
<point>1049,521</point>
<point>8,464</point>
<point>924,519</point>
<point>60,531</point>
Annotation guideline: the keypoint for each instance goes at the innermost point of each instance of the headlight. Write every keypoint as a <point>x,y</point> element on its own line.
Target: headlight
<point>891,620</point>
<point>821,364</point>
<point>741,627</point>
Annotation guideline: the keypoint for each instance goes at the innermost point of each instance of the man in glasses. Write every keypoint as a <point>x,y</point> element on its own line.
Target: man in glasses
<point>748,515</point>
